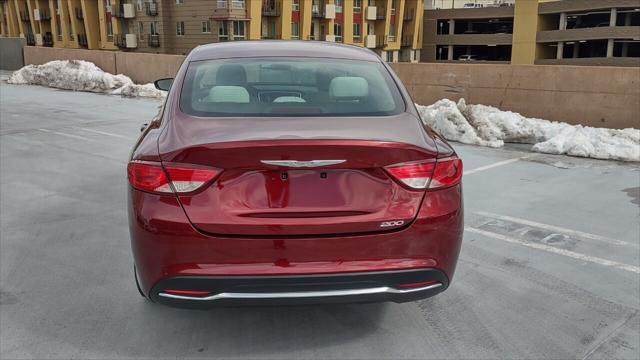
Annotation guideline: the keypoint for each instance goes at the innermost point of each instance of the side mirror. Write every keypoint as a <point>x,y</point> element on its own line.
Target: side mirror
<point>143,127</point>
<point>163,84</point>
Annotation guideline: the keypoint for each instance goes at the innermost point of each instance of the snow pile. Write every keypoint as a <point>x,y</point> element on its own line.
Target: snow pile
<point>488,126</point>
<point>81,75</point>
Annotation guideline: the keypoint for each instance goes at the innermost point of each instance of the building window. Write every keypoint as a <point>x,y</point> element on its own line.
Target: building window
<point>237,4</point>
<point>179,2</point>
<point>222,4</point>
<point>389,56</point>
<point>141,30</point>
<point>139,5</point>
<point>392,32</point>
<point>338,6</point>
<point>295,5</point>
<point>206,27</point>
<point>337,31</point>
<point>356,32</point>
<point>357,6</point>
<point>223,31</point>
<point>295,31</point>
<point>238,30</point>
<point>153,28</point>
<point>393,7</point>
<point>180,28</point>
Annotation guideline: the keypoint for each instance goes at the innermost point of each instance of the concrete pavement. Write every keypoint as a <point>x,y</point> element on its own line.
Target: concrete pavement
<point>549,266</point>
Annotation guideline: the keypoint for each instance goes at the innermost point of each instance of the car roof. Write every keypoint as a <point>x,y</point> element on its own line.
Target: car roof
<point>276,48</point>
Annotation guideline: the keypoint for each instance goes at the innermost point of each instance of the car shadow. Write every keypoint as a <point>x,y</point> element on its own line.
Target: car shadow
<point>245,331</point>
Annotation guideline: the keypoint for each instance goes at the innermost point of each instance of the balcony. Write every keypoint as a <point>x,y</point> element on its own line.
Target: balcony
<point>381,13</point>
<point>408,15</point>
<point>116,10</point>
<point>41,15</point>
<point>47,40</point>
<point>237,4</point>
<point>152,9</point>
<point>153,40</point>
<point>316,11</point>
<point>31,39</point>
<point>271,11</point>
<point>118,40</point>
<point>406,41</point>
<point>82,40</point>
<point>381,40</point>
<point>125,41</point>
<point>79,14</point>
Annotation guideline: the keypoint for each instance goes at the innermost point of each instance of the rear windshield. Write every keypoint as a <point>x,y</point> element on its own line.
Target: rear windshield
<point>289,87</point>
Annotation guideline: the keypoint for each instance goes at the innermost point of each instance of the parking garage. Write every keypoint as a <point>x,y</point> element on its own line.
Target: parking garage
<point>475,26</point>
<point>469,34</point>
<point>604,36</point>
<point>501,53</point>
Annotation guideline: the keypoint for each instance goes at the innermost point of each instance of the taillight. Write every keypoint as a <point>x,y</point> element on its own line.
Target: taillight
<point>448,172</point>
<point>428,174</point>
<point>151,177</point>
<point>414,174</point>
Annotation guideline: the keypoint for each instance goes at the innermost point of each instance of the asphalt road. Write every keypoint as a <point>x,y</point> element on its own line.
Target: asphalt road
<point>549,266</point>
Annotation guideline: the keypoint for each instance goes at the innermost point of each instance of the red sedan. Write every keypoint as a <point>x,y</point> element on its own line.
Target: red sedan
<point>291,172</point>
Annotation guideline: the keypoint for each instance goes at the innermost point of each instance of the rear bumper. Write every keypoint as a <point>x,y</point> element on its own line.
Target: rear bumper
<point>395,286</point>
<point>169,251</point>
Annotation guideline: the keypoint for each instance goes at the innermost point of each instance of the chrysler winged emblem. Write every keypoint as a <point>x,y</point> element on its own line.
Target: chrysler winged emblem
<point>301,164</point>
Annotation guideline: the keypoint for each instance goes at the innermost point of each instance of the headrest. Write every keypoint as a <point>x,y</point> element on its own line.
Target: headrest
<point>228,94</point>
<point>231,74</point>
<point>348,87</point>
<point>289,99</point>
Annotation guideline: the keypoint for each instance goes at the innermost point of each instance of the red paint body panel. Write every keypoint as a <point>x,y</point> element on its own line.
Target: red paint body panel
<point>166,245</point>
<point>251,198</point>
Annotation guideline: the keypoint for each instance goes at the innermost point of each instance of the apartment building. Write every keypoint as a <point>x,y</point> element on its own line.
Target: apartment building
<point>576,32</point>
<point>392,28</point>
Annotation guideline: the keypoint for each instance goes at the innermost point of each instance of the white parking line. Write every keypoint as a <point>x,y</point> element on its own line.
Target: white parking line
<point>494,165</point>
<point>65,134</point>
<point>563,252</point>
<point>554,228</point>
<point>106,133</point>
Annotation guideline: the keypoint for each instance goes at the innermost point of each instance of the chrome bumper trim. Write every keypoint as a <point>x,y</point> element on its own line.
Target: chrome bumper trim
<point>302,294</point>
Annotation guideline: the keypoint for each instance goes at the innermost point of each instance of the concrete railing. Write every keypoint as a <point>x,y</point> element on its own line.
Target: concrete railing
<point>597,96</point>
<point>590,95</point>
